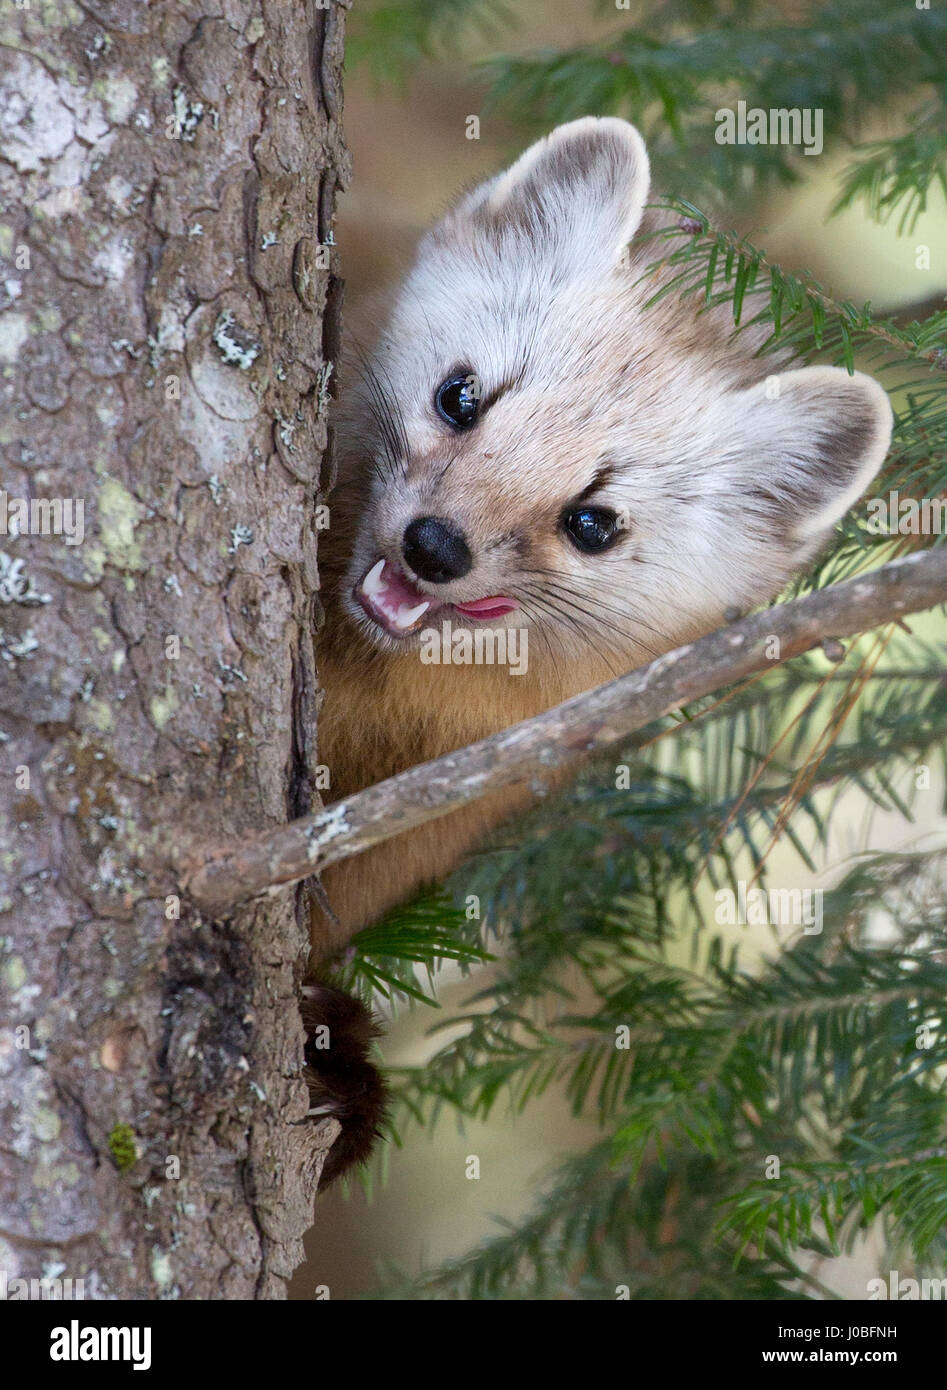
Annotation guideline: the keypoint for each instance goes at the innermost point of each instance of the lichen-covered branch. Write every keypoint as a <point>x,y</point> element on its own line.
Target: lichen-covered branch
<point>567,734</point>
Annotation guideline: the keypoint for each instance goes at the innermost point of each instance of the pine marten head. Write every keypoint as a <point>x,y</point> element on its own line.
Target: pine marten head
<point>538,446</point>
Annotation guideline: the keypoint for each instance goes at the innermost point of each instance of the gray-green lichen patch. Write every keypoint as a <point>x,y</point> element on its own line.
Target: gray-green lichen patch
<point>16,586</point>
<point>161,1267</point>
<point>118,95</point>
<point>49,318</point>
<point>102,638</point>
<point>160,71</point>
<point>52,1177</point>
<point>119,514</point>
<point>35,124</point>
<point>329,826</point>
<point>322,387</point>
<point>94,560</point>
<point>236,345</point>
<point>163,707</point>
<point>14,331</point>
<point>59,14</point>
<point>37,1126</point>
<point>100,716</point>
<point>16,649</point>
<point>14,974</point>
<point>46,1123</point>
<point>187,115</point>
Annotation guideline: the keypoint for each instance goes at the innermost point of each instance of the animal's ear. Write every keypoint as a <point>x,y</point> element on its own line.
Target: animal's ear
<point>807,443</point>
<point>578,194</point>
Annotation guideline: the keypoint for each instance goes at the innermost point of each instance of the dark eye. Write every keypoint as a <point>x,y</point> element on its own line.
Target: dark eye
<point>457,399</point>
<point>591,529</point>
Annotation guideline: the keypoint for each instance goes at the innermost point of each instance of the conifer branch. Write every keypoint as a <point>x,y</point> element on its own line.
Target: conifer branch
<point>733,271</point>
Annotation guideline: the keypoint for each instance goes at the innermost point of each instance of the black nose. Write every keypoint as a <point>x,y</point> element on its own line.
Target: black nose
<point>435,550</point>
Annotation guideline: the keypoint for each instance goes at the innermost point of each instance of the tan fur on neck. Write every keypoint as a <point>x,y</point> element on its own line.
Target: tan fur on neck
<point>380,718</point>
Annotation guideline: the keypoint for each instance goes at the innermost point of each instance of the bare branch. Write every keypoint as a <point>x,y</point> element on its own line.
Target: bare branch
<point>569,733</point>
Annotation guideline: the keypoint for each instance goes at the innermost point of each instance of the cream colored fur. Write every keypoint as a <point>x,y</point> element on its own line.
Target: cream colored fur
<point>728,487</point>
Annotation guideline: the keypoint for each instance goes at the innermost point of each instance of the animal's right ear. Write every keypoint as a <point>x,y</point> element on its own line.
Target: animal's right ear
<point>576,196</point>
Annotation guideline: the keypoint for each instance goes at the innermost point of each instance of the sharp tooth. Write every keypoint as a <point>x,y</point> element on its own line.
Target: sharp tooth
<point>372,583</point>
<point>407,616</point>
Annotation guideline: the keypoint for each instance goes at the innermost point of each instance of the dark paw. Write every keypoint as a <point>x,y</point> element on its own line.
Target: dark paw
<point>342,1081</point>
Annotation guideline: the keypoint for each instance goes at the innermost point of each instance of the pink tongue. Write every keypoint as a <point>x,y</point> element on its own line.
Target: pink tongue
<point>493,607</point>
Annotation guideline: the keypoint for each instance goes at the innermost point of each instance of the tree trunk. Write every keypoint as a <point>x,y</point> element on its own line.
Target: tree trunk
<point>168,321</point>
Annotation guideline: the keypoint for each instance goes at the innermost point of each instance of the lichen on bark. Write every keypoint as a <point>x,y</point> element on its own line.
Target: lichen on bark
<point>161,167</point>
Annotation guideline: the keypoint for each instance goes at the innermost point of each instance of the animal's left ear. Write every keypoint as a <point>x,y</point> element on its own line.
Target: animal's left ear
<point>576,196</point>
<point>809,442</point>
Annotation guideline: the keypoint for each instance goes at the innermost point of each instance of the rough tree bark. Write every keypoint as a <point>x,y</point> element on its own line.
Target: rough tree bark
<point>168,317</point>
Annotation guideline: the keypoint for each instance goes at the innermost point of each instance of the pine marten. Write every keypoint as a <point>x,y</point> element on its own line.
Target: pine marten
<point>531,446</point>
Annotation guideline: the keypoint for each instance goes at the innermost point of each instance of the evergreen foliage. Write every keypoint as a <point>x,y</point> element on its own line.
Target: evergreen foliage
<point>702,1063</point>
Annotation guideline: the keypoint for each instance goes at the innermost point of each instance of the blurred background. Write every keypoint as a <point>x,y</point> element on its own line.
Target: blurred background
<point>411,156</point>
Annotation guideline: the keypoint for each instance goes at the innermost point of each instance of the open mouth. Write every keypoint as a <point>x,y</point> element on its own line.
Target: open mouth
<point>398,606</point>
